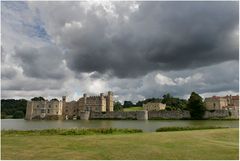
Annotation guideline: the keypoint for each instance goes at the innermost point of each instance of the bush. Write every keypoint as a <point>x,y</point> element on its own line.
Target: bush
<point>164,129</point>
<point>71,131</point>
<point>18,114</point>
<point>3,115</point>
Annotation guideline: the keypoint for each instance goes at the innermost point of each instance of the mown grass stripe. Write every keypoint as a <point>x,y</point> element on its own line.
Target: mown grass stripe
<point>175,128</point>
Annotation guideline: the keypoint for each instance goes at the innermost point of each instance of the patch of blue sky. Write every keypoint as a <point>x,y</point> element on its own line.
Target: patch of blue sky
<point>15,5</point>
<point>36,30</point>
<point>33,29</point>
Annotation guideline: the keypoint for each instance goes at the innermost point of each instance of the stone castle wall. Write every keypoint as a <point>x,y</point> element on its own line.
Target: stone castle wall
<point>164,114</point>
<point>140,115</point>
<point>221,114</point>
<point>118,115</point>
<point>146,115</point>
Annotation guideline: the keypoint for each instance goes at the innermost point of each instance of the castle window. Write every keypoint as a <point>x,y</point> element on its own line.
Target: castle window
<point>37,106</point>
<point>66,110</point>
<point>42,111</point>
<point>56,105</point>
<point>48,111</point>
<point>49,106</point>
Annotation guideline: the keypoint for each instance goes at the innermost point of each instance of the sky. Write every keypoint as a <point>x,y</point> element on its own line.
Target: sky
<point>138,50</point>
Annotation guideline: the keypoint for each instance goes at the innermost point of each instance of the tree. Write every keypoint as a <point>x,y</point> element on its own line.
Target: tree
<point>174,103</point>
<point>117,106</point>
<point>54,99</point>
<point>127,104</point>
<point>139,103</point>
<point>10,106</point>
<point>18,114</point>
<point>38,99</point>
<point>3,115</point>
<point>196,106</point>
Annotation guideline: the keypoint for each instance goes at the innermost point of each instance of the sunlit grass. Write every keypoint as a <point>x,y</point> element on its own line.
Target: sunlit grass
<point>133,109</point>
<point>214,144</point>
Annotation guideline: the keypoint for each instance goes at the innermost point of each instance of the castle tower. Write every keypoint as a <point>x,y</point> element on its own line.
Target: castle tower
<point>29,110</point>
<point>109,101</point>
<point>102,103</point>
<point>85,101</point>
<point>63,104</point>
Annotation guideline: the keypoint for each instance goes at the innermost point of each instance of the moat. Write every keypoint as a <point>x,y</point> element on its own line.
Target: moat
<point>147,126</point>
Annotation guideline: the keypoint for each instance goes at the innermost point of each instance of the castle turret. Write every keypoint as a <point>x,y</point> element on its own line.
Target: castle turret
<point>110,101</point>
<point>64,98</point>
<point>29,110</point>
<point>85,102</point>
<point>63,104</point>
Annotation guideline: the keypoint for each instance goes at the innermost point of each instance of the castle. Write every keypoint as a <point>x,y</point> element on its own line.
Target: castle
<point>220,103</point>
<point>69,110</point>
<point>154,106</point>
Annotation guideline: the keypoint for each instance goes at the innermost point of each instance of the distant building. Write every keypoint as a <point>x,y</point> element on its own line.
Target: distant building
<point>219,103</point>
<point>152,106</point>
<point>71,109</point>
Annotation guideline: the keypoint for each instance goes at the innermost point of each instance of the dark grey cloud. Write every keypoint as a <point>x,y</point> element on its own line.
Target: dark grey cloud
<point>158,36</point>
<point>43,62</point>
<point>8,73</point>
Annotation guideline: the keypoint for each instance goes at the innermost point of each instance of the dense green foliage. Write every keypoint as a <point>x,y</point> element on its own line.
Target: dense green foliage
<point>11,106</point>
<point>164,129</point>
<point>173,103</point>
<point>54,99</point>
<point>117,106</point>
<point>38,99</point>
<point>70,131</point>
<point>3,115</point>
<point>140,103</point>
<point>127,104</point>
<point>18,114</point>
<point>196,106</point>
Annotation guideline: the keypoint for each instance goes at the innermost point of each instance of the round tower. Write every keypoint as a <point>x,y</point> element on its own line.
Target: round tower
<point>109,101</point>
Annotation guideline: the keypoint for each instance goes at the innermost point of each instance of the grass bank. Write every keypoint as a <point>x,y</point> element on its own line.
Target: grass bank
<point>76,131</point>
<point>214,144</point>
<point>133,109</point>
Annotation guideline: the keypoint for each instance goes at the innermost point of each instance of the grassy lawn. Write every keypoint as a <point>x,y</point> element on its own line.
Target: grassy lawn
<point>133,109</point>
<point>214,144</point>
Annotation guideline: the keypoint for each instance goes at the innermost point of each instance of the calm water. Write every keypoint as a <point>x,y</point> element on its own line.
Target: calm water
<point>150,125</point>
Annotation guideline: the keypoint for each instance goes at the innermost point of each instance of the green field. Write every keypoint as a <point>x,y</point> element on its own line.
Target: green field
<point>214,144</point>
<point>133,109</point>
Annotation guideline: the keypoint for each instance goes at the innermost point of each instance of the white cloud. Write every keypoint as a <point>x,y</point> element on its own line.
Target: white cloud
<point>195,77</point>
<point>76,24</point>
<point>164,80</point>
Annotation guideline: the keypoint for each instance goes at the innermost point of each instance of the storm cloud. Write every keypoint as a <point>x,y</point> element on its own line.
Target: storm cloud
<point>155,36</point>
<point>135,49</point>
